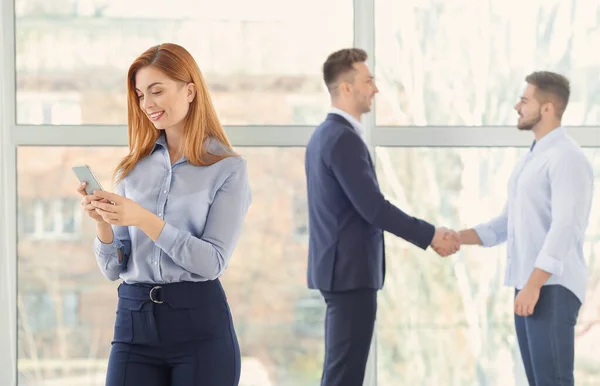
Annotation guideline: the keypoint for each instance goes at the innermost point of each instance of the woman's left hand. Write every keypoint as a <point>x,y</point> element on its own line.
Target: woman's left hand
<point>119,210</point>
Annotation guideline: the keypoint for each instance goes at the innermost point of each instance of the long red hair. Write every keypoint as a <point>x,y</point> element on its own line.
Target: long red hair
<point>201,121</point>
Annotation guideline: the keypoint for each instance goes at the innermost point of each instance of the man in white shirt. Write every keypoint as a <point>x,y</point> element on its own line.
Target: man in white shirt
<point>544,223</point>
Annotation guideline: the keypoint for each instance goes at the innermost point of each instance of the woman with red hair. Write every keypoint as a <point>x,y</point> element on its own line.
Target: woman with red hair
<point>169,230</point>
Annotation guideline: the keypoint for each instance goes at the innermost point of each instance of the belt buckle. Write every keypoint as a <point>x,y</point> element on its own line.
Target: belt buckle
<point>152,292</point>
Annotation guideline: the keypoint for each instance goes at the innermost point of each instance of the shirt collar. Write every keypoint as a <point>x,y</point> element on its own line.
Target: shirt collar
<point>212,145</point>
<point>161,141</point>
<point>548,139</point>
<point>358,127</point>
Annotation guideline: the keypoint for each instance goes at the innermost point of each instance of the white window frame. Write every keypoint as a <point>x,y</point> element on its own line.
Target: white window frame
<point>13,135</point>
<point>52,209</point>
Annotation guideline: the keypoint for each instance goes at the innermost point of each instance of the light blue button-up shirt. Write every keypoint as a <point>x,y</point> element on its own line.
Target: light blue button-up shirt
<point>203,206</point>
<point>545,218</point>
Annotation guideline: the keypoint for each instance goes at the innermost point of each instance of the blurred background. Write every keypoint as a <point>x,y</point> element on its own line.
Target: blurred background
<point>442,133</point>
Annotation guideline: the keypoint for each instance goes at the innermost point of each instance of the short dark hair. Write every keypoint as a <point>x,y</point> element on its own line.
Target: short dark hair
<point>340,63</point>
<point>551,87</point>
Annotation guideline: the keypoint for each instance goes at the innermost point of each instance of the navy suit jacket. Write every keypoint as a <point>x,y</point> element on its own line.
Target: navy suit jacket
<point>348,213</point>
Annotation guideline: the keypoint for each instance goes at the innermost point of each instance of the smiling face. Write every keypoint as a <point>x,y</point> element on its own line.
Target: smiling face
<point>363,88</point>
<point>529,109</point>
<point>165,101</point>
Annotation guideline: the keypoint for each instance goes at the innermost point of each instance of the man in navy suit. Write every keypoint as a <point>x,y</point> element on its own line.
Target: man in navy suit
<point>347,218</point>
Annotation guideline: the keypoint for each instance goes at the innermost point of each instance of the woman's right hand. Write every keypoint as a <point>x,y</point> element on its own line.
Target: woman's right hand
<point>86,203</point>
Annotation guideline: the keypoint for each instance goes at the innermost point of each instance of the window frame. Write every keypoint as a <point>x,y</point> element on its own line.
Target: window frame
<point>12,136</point>
<point>52,209</point>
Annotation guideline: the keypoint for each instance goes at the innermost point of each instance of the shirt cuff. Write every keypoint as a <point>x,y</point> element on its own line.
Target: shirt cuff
<point>549,264</point>
<point>107,250</point>
<point>486,235</point>
<point>167,237</point>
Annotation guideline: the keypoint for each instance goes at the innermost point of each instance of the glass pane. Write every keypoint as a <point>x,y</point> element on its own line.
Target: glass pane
<point>261,59</point>
<point>463,62</point>
<point>66,308</point>
<point>450,322</point>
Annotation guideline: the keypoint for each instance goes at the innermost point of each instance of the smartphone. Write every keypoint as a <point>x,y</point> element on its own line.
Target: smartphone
<point>84,174</point>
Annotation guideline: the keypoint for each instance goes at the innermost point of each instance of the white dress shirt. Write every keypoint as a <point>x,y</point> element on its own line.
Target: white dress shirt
<point>545,218</point>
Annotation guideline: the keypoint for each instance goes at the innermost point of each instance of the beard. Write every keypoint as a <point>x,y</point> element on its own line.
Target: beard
<point>364,105</point>
<point>527,125</point>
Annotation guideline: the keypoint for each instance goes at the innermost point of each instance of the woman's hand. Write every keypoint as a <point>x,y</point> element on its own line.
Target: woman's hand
<point>118,210</point>
<point>86,203</point>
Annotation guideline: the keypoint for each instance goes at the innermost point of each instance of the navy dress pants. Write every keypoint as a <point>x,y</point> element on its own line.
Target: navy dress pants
<point>173,335</point>
<point>349,324</point>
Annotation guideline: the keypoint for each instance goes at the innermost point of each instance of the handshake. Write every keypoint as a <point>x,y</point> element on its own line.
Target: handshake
<point>445,242</point>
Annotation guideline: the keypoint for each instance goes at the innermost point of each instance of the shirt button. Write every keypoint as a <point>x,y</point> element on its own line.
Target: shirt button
<point>156,263</point>
<point>165,191</point>
<point>160,214</point>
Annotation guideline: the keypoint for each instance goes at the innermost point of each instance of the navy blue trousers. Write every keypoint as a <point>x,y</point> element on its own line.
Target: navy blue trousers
<point>349,324</point>
<point>174,335</point>
<point>547,338</point>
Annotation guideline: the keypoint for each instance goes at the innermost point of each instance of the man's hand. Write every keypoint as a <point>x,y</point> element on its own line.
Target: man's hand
<point>526,300</point>
<point>445,242</point>
<point>528,297</point>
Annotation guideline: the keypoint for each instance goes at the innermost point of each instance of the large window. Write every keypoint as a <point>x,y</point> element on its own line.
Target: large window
<point>463,62</point>
<point>458,64</point>
<point>261,59</point>
<point>450,322</point>
<point>66,308</point>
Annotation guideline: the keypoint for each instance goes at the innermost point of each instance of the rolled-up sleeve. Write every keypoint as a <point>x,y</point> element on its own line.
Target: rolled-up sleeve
<point>494,232</point>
